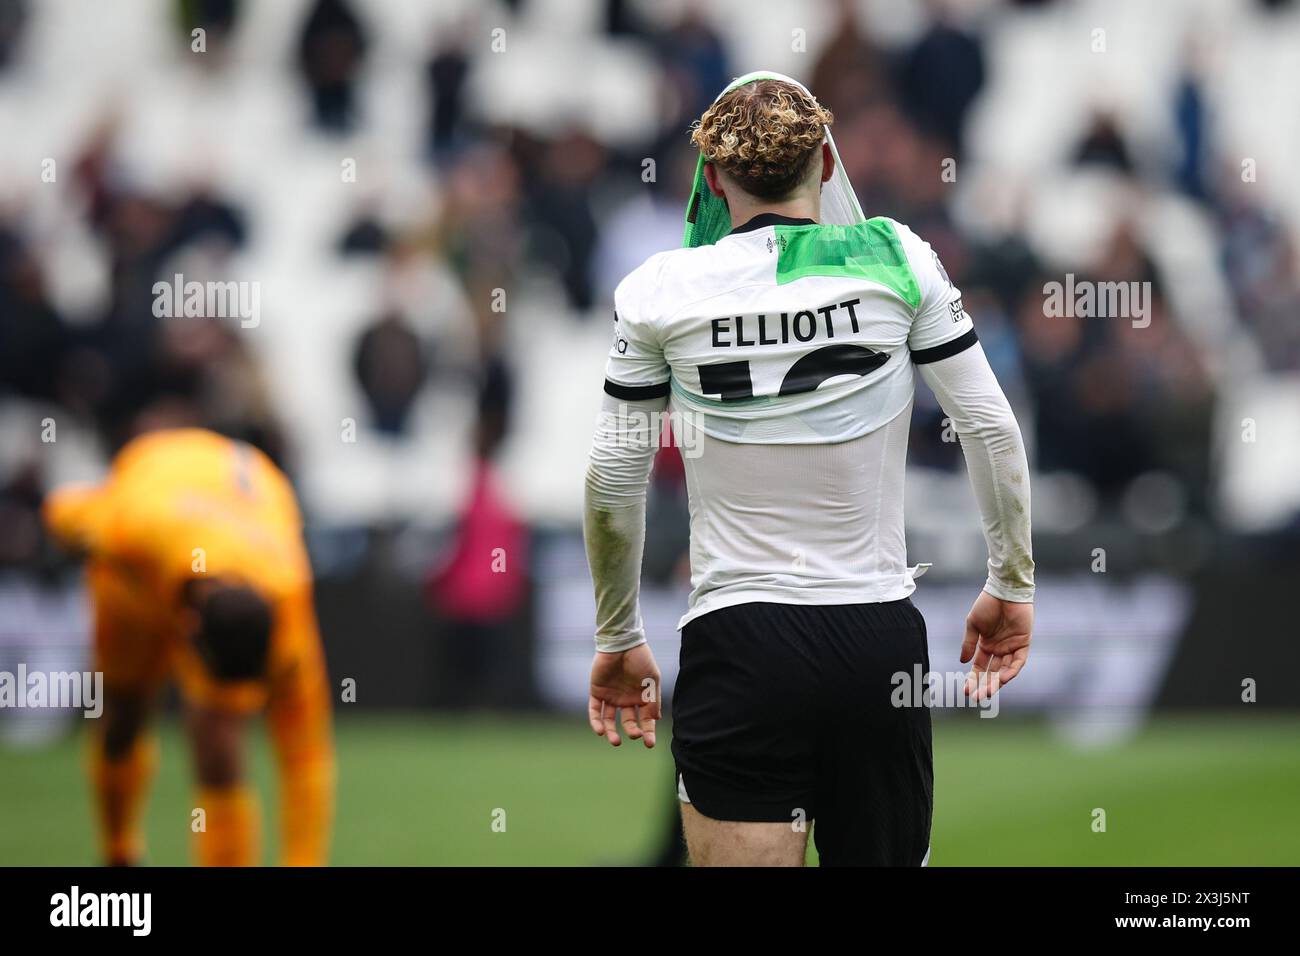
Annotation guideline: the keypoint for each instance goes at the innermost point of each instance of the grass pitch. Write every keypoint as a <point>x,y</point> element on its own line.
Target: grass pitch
<point>421,790</point>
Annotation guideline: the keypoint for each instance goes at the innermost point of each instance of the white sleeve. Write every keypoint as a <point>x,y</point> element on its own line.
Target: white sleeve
<point>613,525</point>
<point>970,395</point>
<point>622,452</point>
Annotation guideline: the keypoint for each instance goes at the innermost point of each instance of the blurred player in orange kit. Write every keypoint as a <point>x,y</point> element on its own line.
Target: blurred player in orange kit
<point>198,572</point>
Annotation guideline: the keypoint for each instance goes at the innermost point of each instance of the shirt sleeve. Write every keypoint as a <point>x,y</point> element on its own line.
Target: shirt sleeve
<point>78,516</point>
<point>941,327</point>
<point>636,369</point>
<point>995,456</point>
<point>622,453</point>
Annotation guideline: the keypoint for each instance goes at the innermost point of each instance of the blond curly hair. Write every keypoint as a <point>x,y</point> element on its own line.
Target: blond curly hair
<point>764,135</point>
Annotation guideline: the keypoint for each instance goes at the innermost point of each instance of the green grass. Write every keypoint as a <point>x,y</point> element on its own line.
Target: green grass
<point>423,790</point>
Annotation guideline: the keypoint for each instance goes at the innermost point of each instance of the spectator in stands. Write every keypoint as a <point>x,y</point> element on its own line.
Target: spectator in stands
<point>33,336</point>
<point>447,76</point>
<point>480,585</point>
<point>560,203</point>
<point>330,53</point>
<point>851,70</point>
<point>1259,259</point>
<point>940,77</point>
<point>1103,145</point>
<point>391,368</point>
<point>1192,122</point>
<point>477,229</point>
<point>694,58</point>
<point>13,18</point>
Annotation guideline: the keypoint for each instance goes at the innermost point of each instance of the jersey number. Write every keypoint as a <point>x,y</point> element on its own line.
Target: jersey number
<point>731,382</point>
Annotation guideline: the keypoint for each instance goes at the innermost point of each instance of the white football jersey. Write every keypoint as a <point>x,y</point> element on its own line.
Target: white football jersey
<point>787,349</point>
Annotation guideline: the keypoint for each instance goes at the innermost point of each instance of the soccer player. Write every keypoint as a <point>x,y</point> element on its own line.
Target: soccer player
<point>198,572</point>
<point>789,346</point>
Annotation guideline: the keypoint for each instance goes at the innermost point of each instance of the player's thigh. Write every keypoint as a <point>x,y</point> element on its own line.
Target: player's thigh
<point>730,843</point>
<point>743,743</point>
<point>876,797</point>
<point>132,642</point>
<point>125,717</point>
<point>131,651</point>
<point>877,808</point>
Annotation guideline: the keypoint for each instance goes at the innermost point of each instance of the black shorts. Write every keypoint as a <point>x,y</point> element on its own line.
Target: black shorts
<point>785,712</point>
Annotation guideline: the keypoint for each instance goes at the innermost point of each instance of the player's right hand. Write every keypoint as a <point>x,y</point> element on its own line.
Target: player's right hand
<point>996,643</point>
<point>627,681</point>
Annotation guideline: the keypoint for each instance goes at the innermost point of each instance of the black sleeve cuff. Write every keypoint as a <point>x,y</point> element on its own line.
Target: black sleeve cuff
<point>636,393</point>
<point>947,350</point>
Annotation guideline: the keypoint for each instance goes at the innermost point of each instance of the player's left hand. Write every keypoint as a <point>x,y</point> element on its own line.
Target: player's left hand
<point>626,681</point>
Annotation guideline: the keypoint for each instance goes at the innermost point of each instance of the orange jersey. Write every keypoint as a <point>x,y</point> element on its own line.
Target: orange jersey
<point>186,503</point>
<point>178,505</point>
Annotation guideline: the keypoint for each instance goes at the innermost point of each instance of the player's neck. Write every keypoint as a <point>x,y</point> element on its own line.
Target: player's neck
<point>798,207</point>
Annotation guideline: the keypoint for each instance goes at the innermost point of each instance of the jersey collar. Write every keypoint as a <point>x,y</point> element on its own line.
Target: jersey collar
<point>770,219</point>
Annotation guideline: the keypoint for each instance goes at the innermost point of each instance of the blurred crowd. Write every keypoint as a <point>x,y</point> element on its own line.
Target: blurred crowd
<point>1104,400</point>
